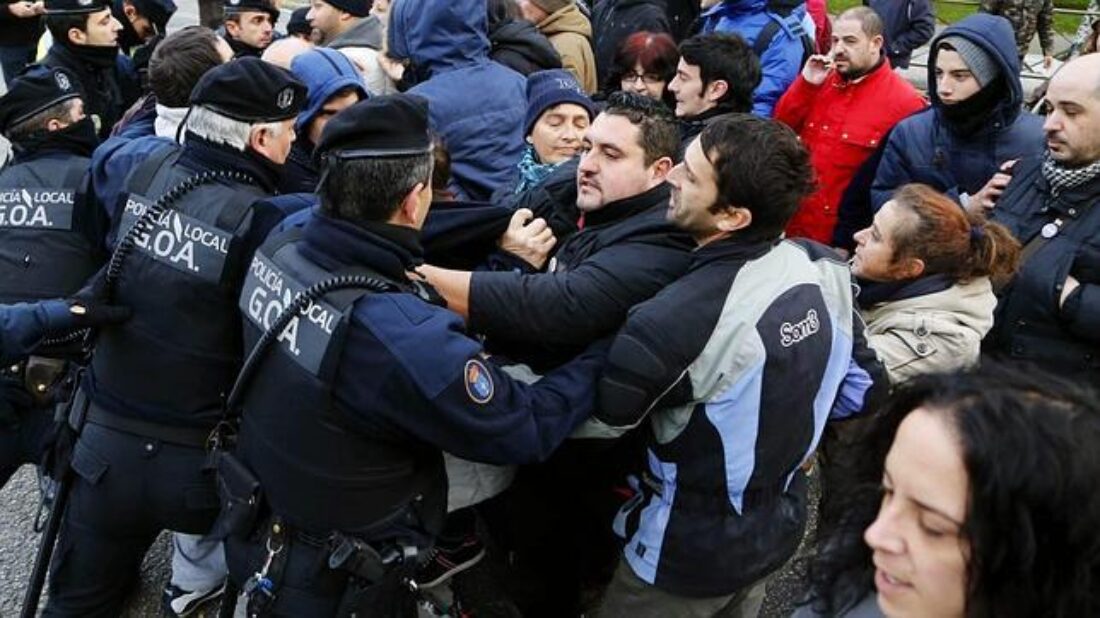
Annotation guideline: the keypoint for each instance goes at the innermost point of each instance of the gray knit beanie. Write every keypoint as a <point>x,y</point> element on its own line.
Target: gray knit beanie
<point>983,66</point>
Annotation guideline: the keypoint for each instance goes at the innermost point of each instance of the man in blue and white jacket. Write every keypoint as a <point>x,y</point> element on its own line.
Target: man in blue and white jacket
<point>738,366</point>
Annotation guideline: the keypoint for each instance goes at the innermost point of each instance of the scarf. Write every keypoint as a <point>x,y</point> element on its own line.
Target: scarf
<point>78,138</point>
<point>92,55</point>
<point>1062,178</point>
<point>971,115</point>
<point>169,120</point>
<point>531,171</point>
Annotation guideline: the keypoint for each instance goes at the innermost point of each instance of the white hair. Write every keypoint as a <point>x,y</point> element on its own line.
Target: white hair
<point>212,126</point>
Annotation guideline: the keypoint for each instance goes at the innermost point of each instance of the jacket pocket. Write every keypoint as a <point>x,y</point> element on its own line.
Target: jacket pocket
<point>88,464</point>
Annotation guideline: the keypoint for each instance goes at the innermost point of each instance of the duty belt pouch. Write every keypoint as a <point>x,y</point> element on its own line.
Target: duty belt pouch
<point>240,495</point>
<point>42,377</point>
<point>389,598</point>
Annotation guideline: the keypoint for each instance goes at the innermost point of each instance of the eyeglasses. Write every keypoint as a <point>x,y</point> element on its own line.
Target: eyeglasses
<point>649,79</point>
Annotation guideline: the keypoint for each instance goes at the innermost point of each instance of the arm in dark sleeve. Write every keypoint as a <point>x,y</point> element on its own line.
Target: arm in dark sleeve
<point>575,306</point>
<point>1081,311</point>
<point>440,387</point>
<point>889,169</point>
<point>23,326</point>
<point>642,372</point>
<point>922,25</point>
<point>1046,27</point>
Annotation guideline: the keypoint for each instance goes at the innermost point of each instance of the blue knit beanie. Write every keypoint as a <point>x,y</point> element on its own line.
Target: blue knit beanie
<point>324,72</point>
<point>545,89</point>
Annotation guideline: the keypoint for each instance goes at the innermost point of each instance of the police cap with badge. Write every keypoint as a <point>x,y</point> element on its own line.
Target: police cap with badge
<point>36,90</point>
<point>75,7</point>
<point>233,7</point>
<point>250,90</point>
<point>384,126</point>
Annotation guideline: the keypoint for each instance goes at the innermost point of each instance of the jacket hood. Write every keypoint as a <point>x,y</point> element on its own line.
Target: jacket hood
<point>568,19</point>
<point>730,8</point>
<point>522,38</point>
<point>367,33</point>
<point>994,35</point>
<point>437,35</point>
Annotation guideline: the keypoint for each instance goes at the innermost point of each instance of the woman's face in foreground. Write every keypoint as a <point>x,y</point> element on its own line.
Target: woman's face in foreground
<point>920,554</point>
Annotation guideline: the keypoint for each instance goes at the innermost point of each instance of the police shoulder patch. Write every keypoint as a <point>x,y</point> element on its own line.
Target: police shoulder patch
<point>479,382</point>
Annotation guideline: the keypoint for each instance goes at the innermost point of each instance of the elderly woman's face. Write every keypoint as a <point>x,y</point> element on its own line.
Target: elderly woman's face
<point>920,554</point>
<point>558,132</point>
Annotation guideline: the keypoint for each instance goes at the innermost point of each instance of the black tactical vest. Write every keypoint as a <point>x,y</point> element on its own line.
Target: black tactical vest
<point>321,467</point>
<point>48,243</point>
<point>178,354</point>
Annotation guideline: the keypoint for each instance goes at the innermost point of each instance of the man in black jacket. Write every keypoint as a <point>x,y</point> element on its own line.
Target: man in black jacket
<point>716,76</point>
<point>85,42</point>
<point>624,253</point>
<point>1050,312</point>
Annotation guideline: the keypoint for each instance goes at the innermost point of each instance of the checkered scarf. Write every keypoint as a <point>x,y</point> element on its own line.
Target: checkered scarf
<point>1062,178</point>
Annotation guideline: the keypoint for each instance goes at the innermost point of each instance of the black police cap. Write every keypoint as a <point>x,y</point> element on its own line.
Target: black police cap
<point>75,7</point>
<point>33,91</point>
<point>250,90</point>
<point>383,126</point>
<point>240,6</point>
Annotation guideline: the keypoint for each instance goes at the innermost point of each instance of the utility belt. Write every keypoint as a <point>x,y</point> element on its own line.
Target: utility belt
<point>374,577</point>
<point>87,411</point>
<point>47,380</point>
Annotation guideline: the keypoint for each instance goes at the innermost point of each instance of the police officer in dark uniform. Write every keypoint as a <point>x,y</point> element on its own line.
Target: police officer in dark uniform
<point>85,42</point>
<point>51,240</point>
<point>154,386</point>
<point>349,407</point>
<point>250,25</point>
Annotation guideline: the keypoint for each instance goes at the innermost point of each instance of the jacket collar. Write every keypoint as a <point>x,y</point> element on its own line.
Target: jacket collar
<point>389,250</point>
<point>203,155</point>
<point>872,293</point>
<point>628,207</point>
<point>730,248</point>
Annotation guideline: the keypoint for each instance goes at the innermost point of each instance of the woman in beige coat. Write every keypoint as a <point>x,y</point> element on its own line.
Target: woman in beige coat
<point>926,270</point>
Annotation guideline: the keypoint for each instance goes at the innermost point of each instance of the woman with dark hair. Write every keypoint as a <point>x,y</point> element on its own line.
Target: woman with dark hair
<point>971,495</point>
<point>645,64</point>
<point>926,269</point>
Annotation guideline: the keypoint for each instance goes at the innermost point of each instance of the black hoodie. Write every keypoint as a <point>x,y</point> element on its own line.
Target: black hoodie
<point>518,45</point>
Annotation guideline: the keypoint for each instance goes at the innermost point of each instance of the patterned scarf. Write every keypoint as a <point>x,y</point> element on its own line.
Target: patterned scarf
<point>1062,178</point>
<point>531,171</point>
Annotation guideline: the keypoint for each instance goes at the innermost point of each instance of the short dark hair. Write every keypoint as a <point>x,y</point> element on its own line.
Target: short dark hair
<point>660,134</point>
<point>370,189</point>
<point>869,21</point>
<point>725,57</point>
<point>36,124</point>
<point>59,25</point>
<point>760,165</point>
<point>179,61</point>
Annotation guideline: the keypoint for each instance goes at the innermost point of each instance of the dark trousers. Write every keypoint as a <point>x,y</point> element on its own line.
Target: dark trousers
<point>15,58</point>
<point>26,441</point>
<point>304,586</point>
<point>126,490</point>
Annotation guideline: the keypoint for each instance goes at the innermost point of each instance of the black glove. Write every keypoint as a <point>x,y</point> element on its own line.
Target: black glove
<point>90,307</point>
<point>1086,265</point>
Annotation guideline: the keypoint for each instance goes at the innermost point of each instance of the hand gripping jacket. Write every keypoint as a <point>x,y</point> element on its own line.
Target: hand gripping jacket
<point>48,246</point>
<point>323,469</point>
<point>174,359</point>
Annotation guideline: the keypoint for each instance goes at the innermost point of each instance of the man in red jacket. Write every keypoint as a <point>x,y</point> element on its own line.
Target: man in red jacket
<point>842,106</point>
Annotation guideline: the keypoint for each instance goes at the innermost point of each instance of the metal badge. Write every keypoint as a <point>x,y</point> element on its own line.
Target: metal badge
<point>1049,230</point>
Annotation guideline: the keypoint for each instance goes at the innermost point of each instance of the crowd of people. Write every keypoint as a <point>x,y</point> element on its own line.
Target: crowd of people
<point>579,298</point>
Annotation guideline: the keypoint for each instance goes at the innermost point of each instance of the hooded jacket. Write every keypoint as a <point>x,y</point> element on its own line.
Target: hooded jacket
<point>361,44</point>
<point>615,20</point>
<point>781,62</point>
<point>570,33</point>
<point>518,45</point>
<point>926,147</point>
<point>476,105</point>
